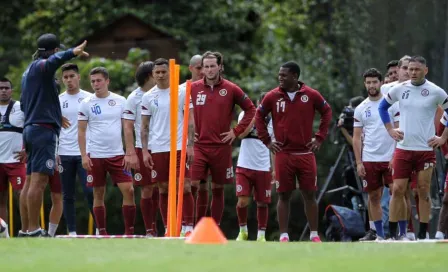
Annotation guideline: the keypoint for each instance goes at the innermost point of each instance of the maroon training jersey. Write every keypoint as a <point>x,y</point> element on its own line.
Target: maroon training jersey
<point>293,119</point>
<point>213,110</point>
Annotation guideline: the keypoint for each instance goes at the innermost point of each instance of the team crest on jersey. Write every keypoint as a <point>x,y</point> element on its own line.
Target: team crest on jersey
<point>138,177</point>
<point>89,178</point>
<point>112,103</point>
<point>239,188</point>
<point>364,183</point>
<point>60,169</point>
<point>80,100</point>
<point>304,98</point>
<point>223,92</point>
<point>153,174</point>
<point>49,163</point>
<point>425,92</point>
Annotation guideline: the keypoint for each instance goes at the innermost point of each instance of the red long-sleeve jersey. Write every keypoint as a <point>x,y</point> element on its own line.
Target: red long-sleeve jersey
<point>213,110</point>
<point>293,119</point>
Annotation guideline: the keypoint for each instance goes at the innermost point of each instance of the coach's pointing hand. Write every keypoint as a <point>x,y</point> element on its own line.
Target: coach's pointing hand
<point>86,163</point>
<point>228,136</point>
<point>79,50</point>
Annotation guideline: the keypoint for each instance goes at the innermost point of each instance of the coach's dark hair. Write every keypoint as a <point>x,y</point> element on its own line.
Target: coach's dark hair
<point>161,61</point>
<point>4,79</point>
<point>404,58</point>
<point>372,72</point>
<point>355,101</point>
<point>392,63</point>
<point>70,66</point>
<point>213,55</point>
<point>418,59</point>
<point>144,71</point>
<point>100,70</point>
<point>293,67</point>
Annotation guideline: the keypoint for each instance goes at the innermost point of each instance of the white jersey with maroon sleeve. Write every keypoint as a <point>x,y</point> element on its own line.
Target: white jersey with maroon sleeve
<point>68,139</point>
<point>10,141</point>
<point>156,104</point>
<point>418,106</point>
<point>133,111</point>
<point>103,116</point>
<point>378,146</point>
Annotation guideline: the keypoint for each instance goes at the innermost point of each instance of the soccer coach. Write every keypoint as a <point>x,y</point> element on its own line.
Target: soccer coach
<point>43,120</point>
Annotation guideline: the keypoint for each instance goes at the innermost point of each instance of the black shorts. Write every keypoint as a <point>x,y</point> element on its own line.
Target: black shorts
<point>40,147</point>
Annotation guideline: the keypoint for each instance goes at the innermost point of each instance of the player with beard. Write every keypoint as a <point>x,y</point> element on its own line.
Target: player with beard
<point>293,105</point>
<point>214,99</point>
<point>416,138</point>
<point>374,153</point>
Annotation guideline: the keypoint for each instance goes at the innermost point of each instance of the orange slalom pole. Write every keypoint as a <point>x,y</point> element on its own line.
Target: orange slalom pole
<point>11,211</point>
<point>42,216</point>
<point>183,157</point>
<point>90,226</point>
<point>174,90</point>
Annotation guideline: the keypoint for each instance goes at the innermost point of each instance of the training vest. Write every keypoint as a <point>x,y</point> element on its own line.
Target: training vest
<point>5,125</point>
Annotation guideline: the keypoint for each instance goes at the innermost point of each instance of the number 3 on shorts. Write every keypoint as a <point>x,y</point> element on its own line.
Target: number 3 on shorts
<point>229,173</point>
<point>19,180</point>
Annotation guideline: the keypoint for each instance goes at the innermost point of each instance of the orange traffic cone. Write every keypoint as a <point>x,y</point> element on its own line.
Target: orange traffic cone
<point>206,232</point>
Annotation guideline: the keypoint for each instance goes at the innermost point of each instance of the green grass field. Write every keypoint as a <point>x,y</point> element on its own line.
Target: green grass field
<point>174,255</point>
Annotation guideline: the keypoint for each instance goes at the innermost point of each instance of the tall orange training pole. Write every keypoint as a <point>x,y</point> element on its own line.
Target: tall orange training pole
<point>180,196</point>
<point>174,91</point>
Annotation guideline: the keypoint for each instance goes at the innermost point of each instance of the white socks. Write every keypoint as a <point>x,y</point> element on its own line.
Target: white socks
<point>440,235</point>
<point>284,235</point>
<point>313,234</point>
<point>52,229</point>
<point>261,233</point>
<point>372,225</point>
<point>243,228</point>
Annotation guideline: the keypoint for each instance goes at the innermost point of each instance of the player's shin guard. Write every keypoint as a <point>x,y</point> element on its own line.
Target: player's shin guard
<point>201,204</point>
<point>146,208</point>
<point>129,219</point>
<point>262,217</point>
<point>217,205</point>
<point>163,202</point>
<point>100,218</point>
<point>242,215</point>
<point>188,209</point>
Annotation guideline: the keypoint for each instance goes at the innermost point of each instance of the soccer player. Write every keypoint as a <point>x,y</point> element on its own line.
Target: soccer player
<point>442,226</point>
<point>386,79</point>
<point>373,163</point>
<point>416,138</point>
<point>43,120</point>
<point>102,113</point>
<point>68,151</point>
<point>293,105</point>
<point>214,99</point>
<point>155,134</point>
<point>402,74</point>
<point>253,174</point>
<point>132,123</point>
<point>11,127</point>
<point>392,70</point>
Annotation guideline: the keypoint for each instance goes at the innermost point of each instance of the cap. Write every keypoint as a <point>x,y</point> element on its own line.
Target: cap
<point>48,41</point>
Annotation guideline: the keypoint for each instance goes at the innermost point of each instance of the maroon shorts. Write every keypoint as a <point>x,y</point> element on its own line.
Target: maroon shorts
<point>161,169</point>
<point>55,181</point>
<point>289,166</point>
<point>407,161</point>
<point>142,176</point>
<point>378,174</point>
<point>258,182</point>
<point>101,166</point>
<point>15,173</point>
<point>217,159</point>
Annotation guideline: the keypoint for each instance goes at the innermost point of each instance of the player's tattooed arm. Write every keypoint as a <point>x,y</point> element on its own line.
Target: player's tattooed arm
<point>191,128</point>
<point>145,131</point>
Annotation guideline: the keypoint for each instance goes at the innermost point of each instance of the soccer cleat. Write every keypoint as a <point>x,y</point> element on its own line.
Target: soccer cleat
<point>410,236</point>
<point>370,236</point>
<point>261,239</point>
<point>242,236</point>
<point>316,239</point>
<point>403,237</point>
<point>379,239</point>
<point>40,233</point>
<point>284,240</point>
<point>22,234</point>
<point>188,233</point>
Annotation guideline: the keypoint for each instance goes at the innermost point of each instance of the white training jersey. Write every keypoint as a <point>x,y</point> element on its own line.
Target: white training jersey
<point>386,87</point>
<point>11,141</point>
<point>378,146</point>
<point>418,105</point>
<point>133,111</point>
<point>103,116</point>
<point>254,154</point>
<point>156,103</point>
<point>68,139</point>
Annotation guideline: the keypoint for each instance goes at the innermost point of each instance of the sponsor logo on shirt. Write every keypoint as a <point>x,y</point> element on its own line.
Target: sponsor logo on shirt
<point>223,92</point>
<point>425,92</point>
<point>112,103</point>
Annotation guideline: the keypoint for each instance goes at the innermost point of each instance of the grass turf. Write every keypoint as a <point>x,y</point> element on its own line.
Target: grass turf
<point>174,255</point>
